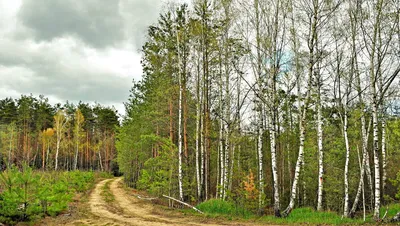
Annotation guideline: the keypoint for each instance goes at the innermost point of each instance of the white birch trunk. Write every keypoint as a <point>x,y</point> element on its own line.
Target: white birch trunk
<point>376,160</point>
<point>299,164</point>
<point>222,155</point>
<point>346,167</point>
<point>365,167</point>
<point>197,147</point>
<point>180,121</point>
<point>221,161</point>
<point>320,152</point>
<point>76,155</point>
<point>226,164</point>
<point>274,166</point>
<point>260,161</point>
<point>302,117</point>
<point>202,150</point>
<point>57,149</point>
<point>198,131</point>
<point>227,133</point>
<point>384,173</point>
<point>47,153</point>
<point>180,141</point>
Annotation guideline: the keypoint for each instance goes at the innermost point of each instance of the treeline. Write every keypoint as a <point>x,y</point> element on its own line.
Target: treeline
<point>56,137</point>
<point>278,103</point>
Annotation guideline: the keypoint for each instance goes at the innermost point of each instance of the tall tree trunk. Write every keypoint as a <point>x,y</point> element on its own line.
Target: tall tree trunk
<point>57,150</point>
<point>76,155</point>
<point>346,167</point>
<point>221,149</point>
<point>10,147</point>
<point>384,172</point>
<point>198,132</point>
<point>100,161</point>
<point>375,107</point>
<point>320,150</point>
<point>260,161</point>
<point>303,113</point>
<point>180,121</point>
<point>274,164</point>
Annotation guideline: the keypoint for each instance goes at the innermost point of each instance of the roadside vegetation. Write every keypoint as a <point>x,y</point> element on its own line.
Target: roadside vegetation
<point>216,208</point>
<point>28,195</point>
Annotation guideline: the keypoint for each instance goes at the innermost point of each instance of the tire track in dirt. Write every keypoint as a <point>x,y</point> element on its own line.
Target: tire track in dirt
<point>135,212</point>
<point>133,206</point>
<point>98,207</point>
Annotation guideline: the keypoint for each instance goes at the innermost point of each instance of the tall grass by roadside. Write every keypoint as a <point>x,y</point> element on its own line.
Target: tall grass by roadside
<point>215,207</point>
<point>306,215</point>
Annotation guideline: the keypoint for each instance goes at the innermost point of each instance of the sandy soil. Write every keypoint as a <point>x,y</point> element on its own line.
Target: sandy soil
<point>132,211</point>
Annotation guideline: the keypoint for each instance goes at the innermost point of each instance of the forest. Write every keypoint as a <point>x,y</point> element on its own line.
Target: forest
<point>59,137</point>
<point>269,106</point>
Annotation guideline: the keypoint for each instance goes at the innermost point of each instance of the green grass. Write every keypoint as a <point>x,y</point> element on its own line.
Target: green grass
<point>393,209</point>
<point>216,207</point>
<point>310,216</point>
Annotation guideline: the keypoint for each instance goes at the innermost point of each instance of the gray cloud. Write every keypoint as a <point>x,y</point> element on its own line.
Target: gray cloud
<point>96,22</point>
<point>139,14</point>
<point>56,70</point>
<point>73,49</point>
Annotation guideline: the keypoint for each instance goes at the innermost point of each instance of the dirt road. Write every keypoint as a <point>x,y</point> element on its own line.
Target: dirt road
<point>128,210</point>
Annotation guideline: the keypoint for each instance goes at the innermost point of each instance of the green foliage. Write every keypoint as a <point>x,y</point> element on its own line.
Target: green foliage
<point>79,181</point>
<point>215,207</point>
<point>27,195</point>
<point>392,210</point>
<point>310,216</point>
<point>156,177</point>
<point>396,182</point>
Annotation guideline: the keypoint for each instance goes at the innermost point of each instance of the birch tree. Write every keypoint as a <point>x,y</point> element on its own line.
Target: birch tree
<point>79,120</point>
<point>313,16</point>
<point>60,121</point>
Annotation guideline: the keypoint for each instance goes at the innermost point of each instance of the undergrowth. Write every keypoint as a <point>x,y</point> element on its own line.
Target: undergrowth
<point>27,195</point>
<point>306,215</point>
<point>215,207</point>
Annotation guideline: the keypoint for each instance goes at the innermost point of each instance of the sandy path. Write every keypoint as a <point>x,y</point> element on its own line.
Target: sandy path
<point>134,211</point>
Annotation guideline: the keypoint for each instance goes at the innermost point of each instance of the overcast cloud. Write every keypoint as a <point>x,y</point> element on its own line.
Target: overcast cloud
<point>73,50</point>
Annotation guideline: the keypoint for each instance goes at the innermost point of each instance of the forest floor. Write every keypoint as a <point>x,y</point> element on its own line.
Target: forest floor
<point>111,204</point>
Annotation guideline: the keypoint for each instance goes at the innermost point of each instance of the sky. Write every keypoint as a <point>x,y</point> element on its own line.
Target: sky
<point>73,50</point>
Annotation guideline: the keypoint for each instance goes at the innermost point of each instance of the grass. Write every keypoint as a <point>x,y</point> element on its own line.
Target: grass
<point>217,208</point>
<point>392,209</point>
<point>106,193</point>
<point>310,216</point>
